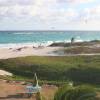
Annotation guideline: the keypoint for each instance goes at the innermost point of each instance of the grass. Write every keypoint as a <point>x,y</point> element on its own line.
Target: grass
<point>79,69</point>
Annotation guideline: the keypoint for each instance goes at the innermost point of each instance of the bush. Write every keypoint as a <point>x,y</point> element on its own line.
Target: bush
<point>76,93</point>
<point>79,69</point>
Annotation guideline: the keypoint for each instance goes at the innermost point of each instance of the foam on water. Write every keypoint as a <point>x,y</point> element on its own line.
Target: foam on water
<point>18,45</point>
<point>78,39</point>
<point>40,38</point>
<point>25,33</point>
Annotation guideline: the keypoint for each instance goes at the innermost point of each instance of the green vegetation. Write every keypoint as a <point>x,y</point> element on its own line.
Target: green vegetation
<point>79,69</point>
<point>76,93</point>
<point>81,50</point>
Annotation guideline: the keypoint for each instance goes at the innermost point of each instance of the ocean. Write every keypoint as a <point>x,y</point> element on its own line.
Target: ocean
<point>45,38</point>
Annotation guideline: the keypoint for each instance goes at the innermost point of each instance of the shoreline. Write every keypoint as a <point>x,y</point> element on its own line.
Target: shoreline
<point>46,44</point>
<point>51,50</point>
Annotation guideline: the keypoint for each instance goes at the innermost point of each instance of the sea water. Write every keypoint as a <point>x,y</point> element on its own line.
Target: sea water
<point>35,38</point>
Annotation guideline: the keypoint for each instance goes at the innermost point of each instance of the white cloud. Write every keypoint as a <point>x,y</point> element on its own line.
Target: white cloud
<point>44,9</point>
<point>76,1</point>
<point>90,14</point>
<point>48,11</point>
<point>14,2</point>
<point>30,2</point>
<point>82,1</point>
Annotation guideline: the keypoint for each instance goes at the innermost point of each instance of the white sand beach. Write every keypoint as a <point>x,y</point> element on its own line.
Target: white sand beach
<point>6,53</point>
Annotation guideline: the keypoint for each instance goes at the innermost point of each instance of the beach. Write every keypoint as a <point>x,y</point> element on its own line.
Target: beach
<point>43,43</point>
<point>49,50</point>
<point>6,53</point>
<point>56,49</point>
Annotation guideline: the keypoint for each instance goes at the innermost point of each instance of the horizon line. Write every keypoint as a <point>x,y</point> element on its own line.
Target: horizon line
<point>43,30</point>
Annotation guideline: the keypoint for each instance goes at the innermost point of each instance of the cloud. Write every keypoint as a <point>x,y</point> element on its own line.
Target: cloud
<point>48,11</point>
<point>91,14</point>
<point>14,2</point>
<point>82,1</point>
<point>30,2</point>
<point>26,7</point>
<point>76,1</point>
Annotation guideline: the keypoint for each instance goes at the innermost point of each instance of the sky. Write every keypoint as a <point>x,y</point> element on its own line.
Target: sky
<point>49,14</point>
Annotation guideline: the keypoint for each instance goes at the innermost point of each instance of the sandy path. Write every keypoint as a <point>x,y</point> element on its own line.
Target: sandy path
<point>11,91</point>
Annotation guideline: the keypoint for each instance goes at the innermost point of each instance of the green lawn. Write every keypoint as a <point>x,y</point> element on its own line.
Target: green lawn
<point>85,69</point>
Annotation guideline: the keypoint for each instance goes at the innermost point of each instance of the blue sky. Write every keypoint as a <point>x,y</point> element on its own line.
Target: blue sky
<point>49,14</point>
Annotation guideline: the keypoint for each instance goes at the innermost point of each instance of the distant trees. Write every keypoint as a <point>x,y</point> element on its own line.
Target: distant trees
<point>76,93</point>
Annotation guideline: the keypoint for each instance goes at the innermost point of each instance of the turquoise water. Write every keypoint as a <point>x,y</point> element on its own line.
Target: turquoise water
<point>19,38</point>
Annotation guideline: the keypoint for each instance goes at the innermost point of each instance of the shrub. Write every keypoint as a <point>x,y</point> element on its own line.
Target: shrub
<point>76,93</point>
